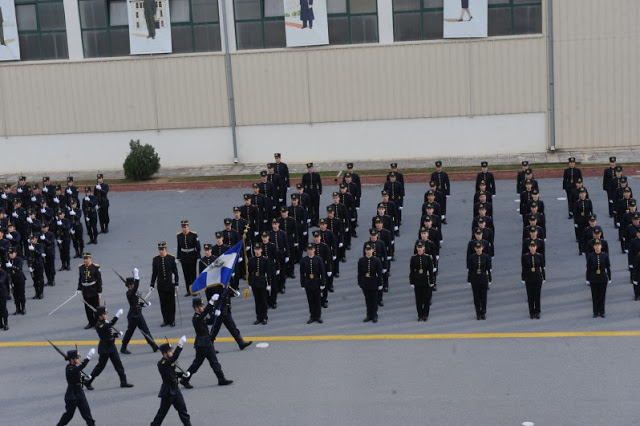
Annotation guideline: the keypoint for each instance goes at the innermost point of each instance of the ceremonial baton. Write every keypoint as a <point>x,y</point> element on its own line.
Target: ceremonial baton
<point>119,276</point>
<point>146,336</point>
<point>63,303</point>
<point>86,375</point>
<point>89,305</point>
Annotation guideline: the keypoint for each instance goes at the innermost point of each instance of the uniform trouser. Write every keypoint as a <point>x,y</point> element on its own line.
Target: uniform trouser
<point>579,227</point>
<point>399,212</point>
<point>443,206</point>
<point>480,296</point>
<point>347,238</point>
<point>610,203</point>
<point>92,228</point>
<point>50,267</point>
<point>324,294</point>
<point>227,319</point>
<point>568,192</point>
<point>423,299</point>
<point>598,295</point>
<point>167,306</point>
<point>272,295</point>
<point>208,353</point>
<point>281,280</point>
<point>260,298</point>
<point>18,295</point>
<point>342,251</point>
<point>4,314</point>
<point>79,401</point>
<point>38,278</point>
<point>115,360</point>
<point>78,241</point>
<point>103,217</point>
<point>291,264</point>
<point>178,403</point>
<point>95,302</point>
<point>313,298</point>
<point>314,208</point>
<point>534,289</point>
<point>636,291</point>
<point>336,263</point>
<point>138,322</point>
<point>371,300</point>
<point>151,22</point>
<point>189,267</point>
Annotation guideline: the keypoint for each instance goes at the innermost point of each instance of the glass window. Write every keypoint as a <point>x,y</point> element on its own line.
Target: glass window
<point>259,24</point>
<point>353,21</point>
<point>506,17</point>
<point>41,29</point>
<point>247,9</point>
<point>118,13</point>
<point>336,6</point>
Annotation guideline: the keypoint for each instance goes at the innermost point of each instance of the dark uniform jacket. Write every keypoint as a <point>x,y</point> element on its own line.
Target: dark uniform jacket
<point>478,268</point>
<point>90,280</point>
<point>260,271</point>
<point>107,336</point>
<point>312,272</point>
<point>598,268</point>
<point>442,182</point>
<point>166,367</point>
<point>101,194</point>
<point>203,339</point>
<point>135,304</point>
<point>369,273</point>
<point>421,270</point>
<point>163,268</point>
<point>488,179</point>
<point>188,246</point>
<point>75,379</point>
<point>533,267</point>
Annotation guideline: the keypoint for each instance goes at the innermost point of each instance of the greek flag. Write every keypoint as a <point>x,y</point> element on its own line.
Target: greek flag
<point>219,272</point>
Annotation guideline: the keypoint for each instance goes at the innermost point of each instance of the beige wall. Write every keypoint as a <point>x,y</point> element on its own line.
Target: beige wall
<point>597,69</point>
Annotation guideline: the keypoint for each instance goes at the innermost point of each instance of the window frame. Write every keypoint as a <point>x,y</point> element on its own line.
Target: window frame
<point>39,31</point>
<point>262,21</point>
<point>347,14</point>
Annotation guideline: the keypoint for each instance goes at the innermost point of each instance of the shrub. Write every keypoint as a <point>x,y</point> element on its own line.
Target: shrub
<point>142,162</point>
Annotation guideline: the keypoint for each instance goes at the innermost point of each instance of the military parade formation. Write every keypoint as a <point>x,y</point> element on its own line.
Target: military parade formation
<point>286,231</point>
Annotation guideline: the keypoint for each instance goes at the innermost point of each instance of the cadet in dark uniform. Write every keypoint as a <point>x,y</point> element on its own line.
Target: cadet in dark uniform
<point>283,171</point>
<point>4,296</point>
<point>164,268</point>
<point>63,238</point>
<point>101,191</point>
<point>107,347</point>
<point>486,176</point>
<point>76,231</point>
<point>260,271</point>
<point>582,209</point>
<point>571,175</point>
<point>134,316</point>
<point>252,215</point>
<point>188,254</point>
<point>441,179</point>
<point>48,190</point>
<point>17,278</point>
<point>48,241</point>
<point>323,251</point>
<point>521,176</point>
<point>313,279</point>
<point>72,190</point>
<point>421,280</point>
<point>598,276</point>
<point>35,260</point>
<point>289,226</point>
<point>609,173</point>
<point>90,210</point>
<point>90,285</point>
<point>533,276</point>
<point>299,214</point>
<point>279,189</point>
<point>169,391</point>
<point>74,396</point>
<point>312,184</point>
<point>479,278</point>
<point>395,189</point>
<point>225,316</point>
<point>203,344</point>
<point>370,281</point>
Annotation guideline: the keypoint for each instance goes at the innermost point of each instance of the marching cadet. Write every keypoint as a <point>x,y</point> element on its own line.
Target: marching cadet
<point>263,205</point>
<point>164,268</point>
<point>622,207</point>
<point>387,221</point>
<point>520,176</point>
<point>314,280</point>
<point>35,260</point>
<point>24,191</point>
<point>74,397</point>
<point>441,179</point>
<point>33,225</point>
<point>18,279</point>
<point>392,210</point>
<point>290,228</point>
<point>6,199</point>
<point>329,238</point>
<point>202,343</point>
<point>526,196</point>
<point>270,253</point>
<point>89,208</point>
<point>282,258</point>
<point>251,214</point>
<point>268,189</point>
<point>323,251</point>
<point>48,241</point>
<point>612,187</point>
<point>312,184</point>
<point>379,251</point>
<point>59,199</point>
<point>14,237</point>
<point>635,272</point>
<point>188,253</point>
<point>598,276</point>
<point>4,296</point>
<point>283,171</point>
<point>20,219</point>
<point>609,173</point>
<point>48,190</point>
<point>72,189</point>
<point>571,175</point>
<point>63,238</point>
<point>260,271</point>
<point>487,177</point>
<point>597,235</point>
<point>341,213</point>
<point>479,278</point>
<point>356,192</point>
<point>45,213</point>
<point>370,281</point>
<point>477,237</point>
<point>355,179</point>
<point>335,225</point>
<point>225,317</point>
<point>587,234</point>
<point>533,237</point>
<point>90,285</point>
<point>299,214</point>
<point>36,197</point>
<point>421,279</point>
<point>482,189</point>
<point>395,189</point>
<point>205,261</point>
<point>348,201</point>
<point>107,349</point>
<point>533,276</point>
<point>305,201</point>
<point>170,391</point>
<point>387,238</point>
<point>633,251</point>
<point>135,318</point>
<point>101,191</point>
<point>630,229</point>
<point>393,168</point>
<point>280,191</point>
<point>582,209</point>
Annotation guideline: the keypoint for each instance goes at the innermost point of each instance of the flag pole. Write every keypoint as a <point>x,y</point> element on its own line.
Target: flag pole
<point>246,261</point>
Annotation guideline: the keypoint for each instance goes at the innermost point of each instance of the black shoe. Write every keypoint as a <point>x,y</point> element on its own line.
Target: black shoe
<point>186,384</point>
<point>385,289</point>
<point>164,324</point>
<point>61,269</point>
<point>337,275</point>
<point>483,317</point>
<point>187,294</point>
<point>343,260</point>
<point>88,326</point>
<point>274,305</point>
<point>256,322</point>
<point>602,315</point>
<point>478,317</point>
<point>444,221</point>
<point>125,351</point>
<point>87,384</point>
<point>531,316</point>
<point>374,320</point>
<point>325,304</point>
<point>367,319</point>
<point>6,326</point>
<point>596,315</point>
<point>380,303</point>
<point>419,319</point>
<point>18,311</point>
<point>434,288</point>
<point>310,320</point>
<point>354,235</point>
<point>282,290</point>
<point>319,320</point>
<point>224,382</point>
<point>124,384</point>
<point>537,316</point>
<point>245,344</point>
<point>264,322</point>
<point>425,319</point>
<point>173,324</point>
<point>331,290</point>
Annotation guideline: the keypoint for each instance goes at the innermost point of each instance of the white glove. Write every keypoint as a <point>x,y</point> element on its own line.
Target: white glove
<point>43,210</point>
<point>357,208</point>
<point>340,245</point>
<point>489,284</point>
<point>395,228</point>
<point>29,220</point>
<point>575,225</point>
<point>379,287</point>
<point>255,233</point>
<point>9,236</point>
<point>609,282</point>
<point>400,207</point>
<point>286,259</point>
<point>98,186</point>
<point>329,274</point>
<point>119,313</point>
<point>321,287</point>
<point>308,220</point>
<point>588,282</point>
<point>437,257</point>
<point>4,196</point>
<point>148,303</point>
<point>42,237</point>
<point>72,213</point>
<point>334,257</point>
<point>87,218</point>
<point>186,375</point>
<point>20,190</point>
<point>268,288</point>
<point>30,269</point>
<point>469,283</point>
<point>544,281</point>
<point>634,283</point>
<point>73,232</point>
<point>14,214</point>
<point>59,241</point>
<point>295,244</point>
<point>413,286</point>
<point>618,224</point>
<point>33,198</point>
<point>346,229</point>
<point>217,312</point>
<point>388,257</point>
<point>435,270</point>
<point>86,198</point>
<point>280,200</point>
<point>56,199</point>
<point>523,282</point>
<point>59,222</point>
<point>212,301</point>
<point>9,265</point>
<point>278,272</point>
<point>45,189</point>
<point>31,248</point>
<point>136,273</point>
<point>384,271</point>
<point>626,251</point>
<point>69,191</point>
<point>305,233</point>
<point>182,341</point>
<point>91,353</point>
<point>43,254</point>
<point>78,291</point>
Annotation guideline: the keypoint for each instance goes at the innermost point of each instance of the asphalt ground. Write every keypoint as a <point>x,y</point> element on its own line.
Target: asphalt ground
<point>566,368</point>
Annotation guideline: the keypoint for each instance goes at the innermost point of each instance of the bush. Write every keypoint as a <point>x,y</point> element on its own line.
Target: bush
<point>142,162</point>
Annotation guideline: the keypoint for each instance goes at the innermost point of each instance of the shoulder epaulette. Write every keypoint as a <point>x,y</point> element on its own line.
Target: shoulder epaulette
<point>97,265</point>
<point>194,232</point>
<point>179,233</point>
<point>81,265</point>
<point>157,255</point>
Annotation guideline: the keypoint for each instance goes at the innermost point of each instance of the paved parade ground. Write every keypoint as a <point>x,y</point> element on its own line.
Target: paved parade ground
<point>565,369</point>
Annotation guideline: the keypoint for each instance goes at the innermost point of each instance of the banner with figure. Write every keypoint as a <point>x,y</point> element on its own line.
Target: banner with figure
<point>149,26</point>
<point>305,22</point>
<point>465,18</point>
<point>9,43</point>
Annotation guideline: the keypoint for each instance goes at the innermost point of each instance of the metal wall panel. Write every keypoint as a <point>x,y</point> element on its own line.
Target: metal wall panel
<point>597,63</point>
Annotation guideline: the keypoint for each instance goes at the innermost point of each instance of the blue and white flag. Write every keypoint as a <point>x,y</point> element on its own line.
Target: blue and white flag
<point>219,272</point>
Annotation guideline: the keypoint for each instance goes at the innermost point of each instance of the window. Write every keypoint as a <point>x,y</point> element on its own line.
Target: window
<point>422,19</point>
<point>41,29</point>
<point>195,26</point>
<point>352,21</point>
<point>105,27</point>
<point>259,24</point>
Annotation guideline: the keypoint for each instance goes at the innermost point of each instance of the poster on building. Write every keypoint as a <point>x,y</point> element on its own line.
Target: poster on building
<point>305,22</point>
<point>149,26</point>
<point>9,43</point>
<point>465,18</point>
